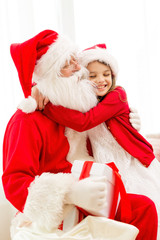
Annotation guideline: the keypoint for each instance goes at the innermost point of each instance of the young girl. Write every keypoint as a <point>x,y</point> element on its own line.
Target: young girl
<point>120,142</point>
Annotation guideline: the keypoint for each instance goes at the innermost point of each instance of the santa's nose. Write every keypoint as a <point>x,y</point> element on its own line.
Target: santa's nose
<point>78,67</point>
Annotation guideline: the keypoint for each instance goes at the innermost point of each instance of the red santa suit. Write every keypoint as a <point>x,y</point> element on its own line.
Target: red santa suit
<point>36,176</point>
<point>31,142</point>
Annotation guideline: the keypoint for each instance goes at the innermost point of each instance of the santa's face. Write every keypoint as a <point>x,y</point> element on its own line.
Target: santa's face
<point>70,68</point>
<point>101,76</point>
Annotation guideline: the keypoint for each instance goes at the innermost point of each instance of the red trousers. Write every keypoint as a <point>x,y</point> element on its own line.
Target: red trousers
<point>144,216</point>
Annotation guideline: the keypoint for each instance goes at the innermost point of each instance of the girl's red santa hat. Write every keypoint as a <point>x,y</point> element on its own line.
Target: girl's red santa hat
<point>45,52</point>
<point>99,53</point>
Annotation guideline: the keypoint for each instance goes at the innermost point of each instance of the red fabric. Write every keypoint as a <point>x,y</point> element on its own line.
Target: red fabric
<point>86,170</point>
<point>27,53</point>
<point>89,147</point>
<point>114,111</point>
<point>119,188</point>
<point>32,145</point>
<point>144,216</point>
<point>101,45</point>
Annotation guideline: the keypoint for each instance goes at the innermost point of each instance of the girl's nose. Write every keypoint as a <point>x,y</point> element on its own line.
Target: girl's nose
<point>101,79</point>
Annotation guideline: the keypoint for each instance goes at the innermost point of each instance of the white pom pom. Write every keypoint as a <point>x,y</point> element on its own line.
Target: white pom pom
<point>28,105</point>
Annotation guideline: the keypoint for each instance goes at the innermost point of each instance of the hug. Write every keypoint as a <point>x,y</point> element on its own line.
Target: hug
<point>84,116</point>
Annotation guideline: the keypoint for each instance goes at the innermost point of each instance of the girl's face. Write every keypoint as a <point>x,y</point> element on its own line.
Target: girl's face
<point>101,75</point>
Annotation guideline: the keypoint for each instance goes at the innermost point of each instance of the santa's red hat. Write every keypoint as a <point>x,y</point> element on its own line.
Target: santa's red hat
<point>47,51</point>
<point>99,53</point>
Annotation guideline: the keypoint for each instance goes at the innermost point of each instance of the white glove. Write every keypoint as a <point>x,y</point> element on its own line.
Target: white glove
<point>89,193</point>
<point>134,119</point>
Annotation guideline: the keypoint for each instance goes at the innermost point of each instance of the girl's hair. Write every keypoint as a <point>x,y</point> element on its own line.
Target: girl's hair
<point>112,87</point>
<point>113,83</point>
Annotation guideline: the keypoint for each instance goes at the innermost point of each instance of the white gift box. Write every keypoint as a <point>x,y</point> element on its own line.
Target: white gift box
<point>98,169</point>
<point>115,190</point>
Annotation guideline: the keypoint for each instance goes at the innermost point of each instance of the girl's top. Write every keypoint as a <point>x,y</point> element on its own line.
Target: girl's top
<point>114,111</point>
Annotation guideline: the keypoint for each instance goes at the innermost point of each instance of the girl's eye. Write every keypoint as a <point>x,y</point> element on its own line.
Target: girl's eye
<point>92,76</point>
<point>107,75</point>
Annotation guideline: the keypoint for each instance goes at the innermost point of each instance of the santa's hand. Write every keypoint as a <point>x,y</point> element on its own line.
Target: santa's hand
<point>89,194</point>
<point>134,119</point>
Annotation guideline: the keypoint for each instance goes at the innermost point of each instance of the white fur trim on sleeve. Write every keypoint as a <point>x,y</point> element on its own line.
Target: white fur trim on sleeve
<point>28,105</point>
<point>45,201</point>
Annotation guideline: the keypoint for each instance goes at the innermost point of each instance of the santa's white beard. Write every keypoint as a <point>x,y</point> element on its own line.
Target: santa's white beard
<point>71,92</point>
<point>75,92</point>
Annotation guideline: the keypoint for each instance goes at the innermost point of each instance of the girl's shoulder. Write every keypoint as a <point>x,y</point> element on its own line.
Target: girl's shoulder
<point>119,89</point>
<point>118,93</point>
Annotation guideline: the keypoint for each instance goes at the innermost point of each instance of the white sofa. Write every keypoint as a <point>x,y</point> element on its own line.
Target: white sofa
<point>6,214</point>
<point>154,139</point>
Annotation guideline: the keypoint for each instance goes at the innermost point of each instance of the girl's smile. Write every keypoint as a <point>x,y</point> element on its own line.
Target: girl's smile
<point>101,76</point>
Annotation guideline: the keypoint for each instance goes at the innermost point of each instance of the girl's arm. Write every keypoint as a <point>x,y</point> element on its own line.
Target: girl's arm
<point>114,104</point>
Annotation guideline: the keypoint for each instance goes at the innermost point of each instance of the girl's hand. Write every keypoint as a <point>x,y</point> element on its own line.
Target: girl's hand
<point>134,119</point>
<point>40,99</point>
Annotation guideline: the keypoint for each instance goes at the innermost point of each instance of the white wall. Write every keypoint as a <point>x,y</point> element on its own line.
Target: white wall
<point>131,31</point>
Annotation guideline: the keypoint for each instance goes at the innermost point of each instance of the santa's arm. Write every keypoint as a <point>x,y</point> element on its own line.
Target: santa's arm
<point>39,196</point>
<point>113,105</point>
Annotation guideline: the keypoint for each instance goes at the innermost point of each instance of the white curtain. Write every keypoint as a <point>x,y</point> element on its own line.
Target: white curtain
<point>131,30</point>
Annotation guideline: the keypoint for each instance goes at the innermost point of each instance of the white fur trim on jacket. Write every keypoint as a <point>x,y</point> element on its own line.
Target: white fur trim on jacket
<point>45,202</point>
<point>99,54</point>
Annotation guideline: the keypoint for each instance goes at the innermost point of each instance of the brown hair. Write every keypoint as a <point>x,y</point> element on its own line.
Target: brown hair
<point>112,88</point>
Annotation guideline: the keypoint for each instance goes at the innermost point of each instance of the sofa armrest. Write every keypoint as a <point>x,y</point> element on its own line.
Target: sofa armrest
<point>154,139</point>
